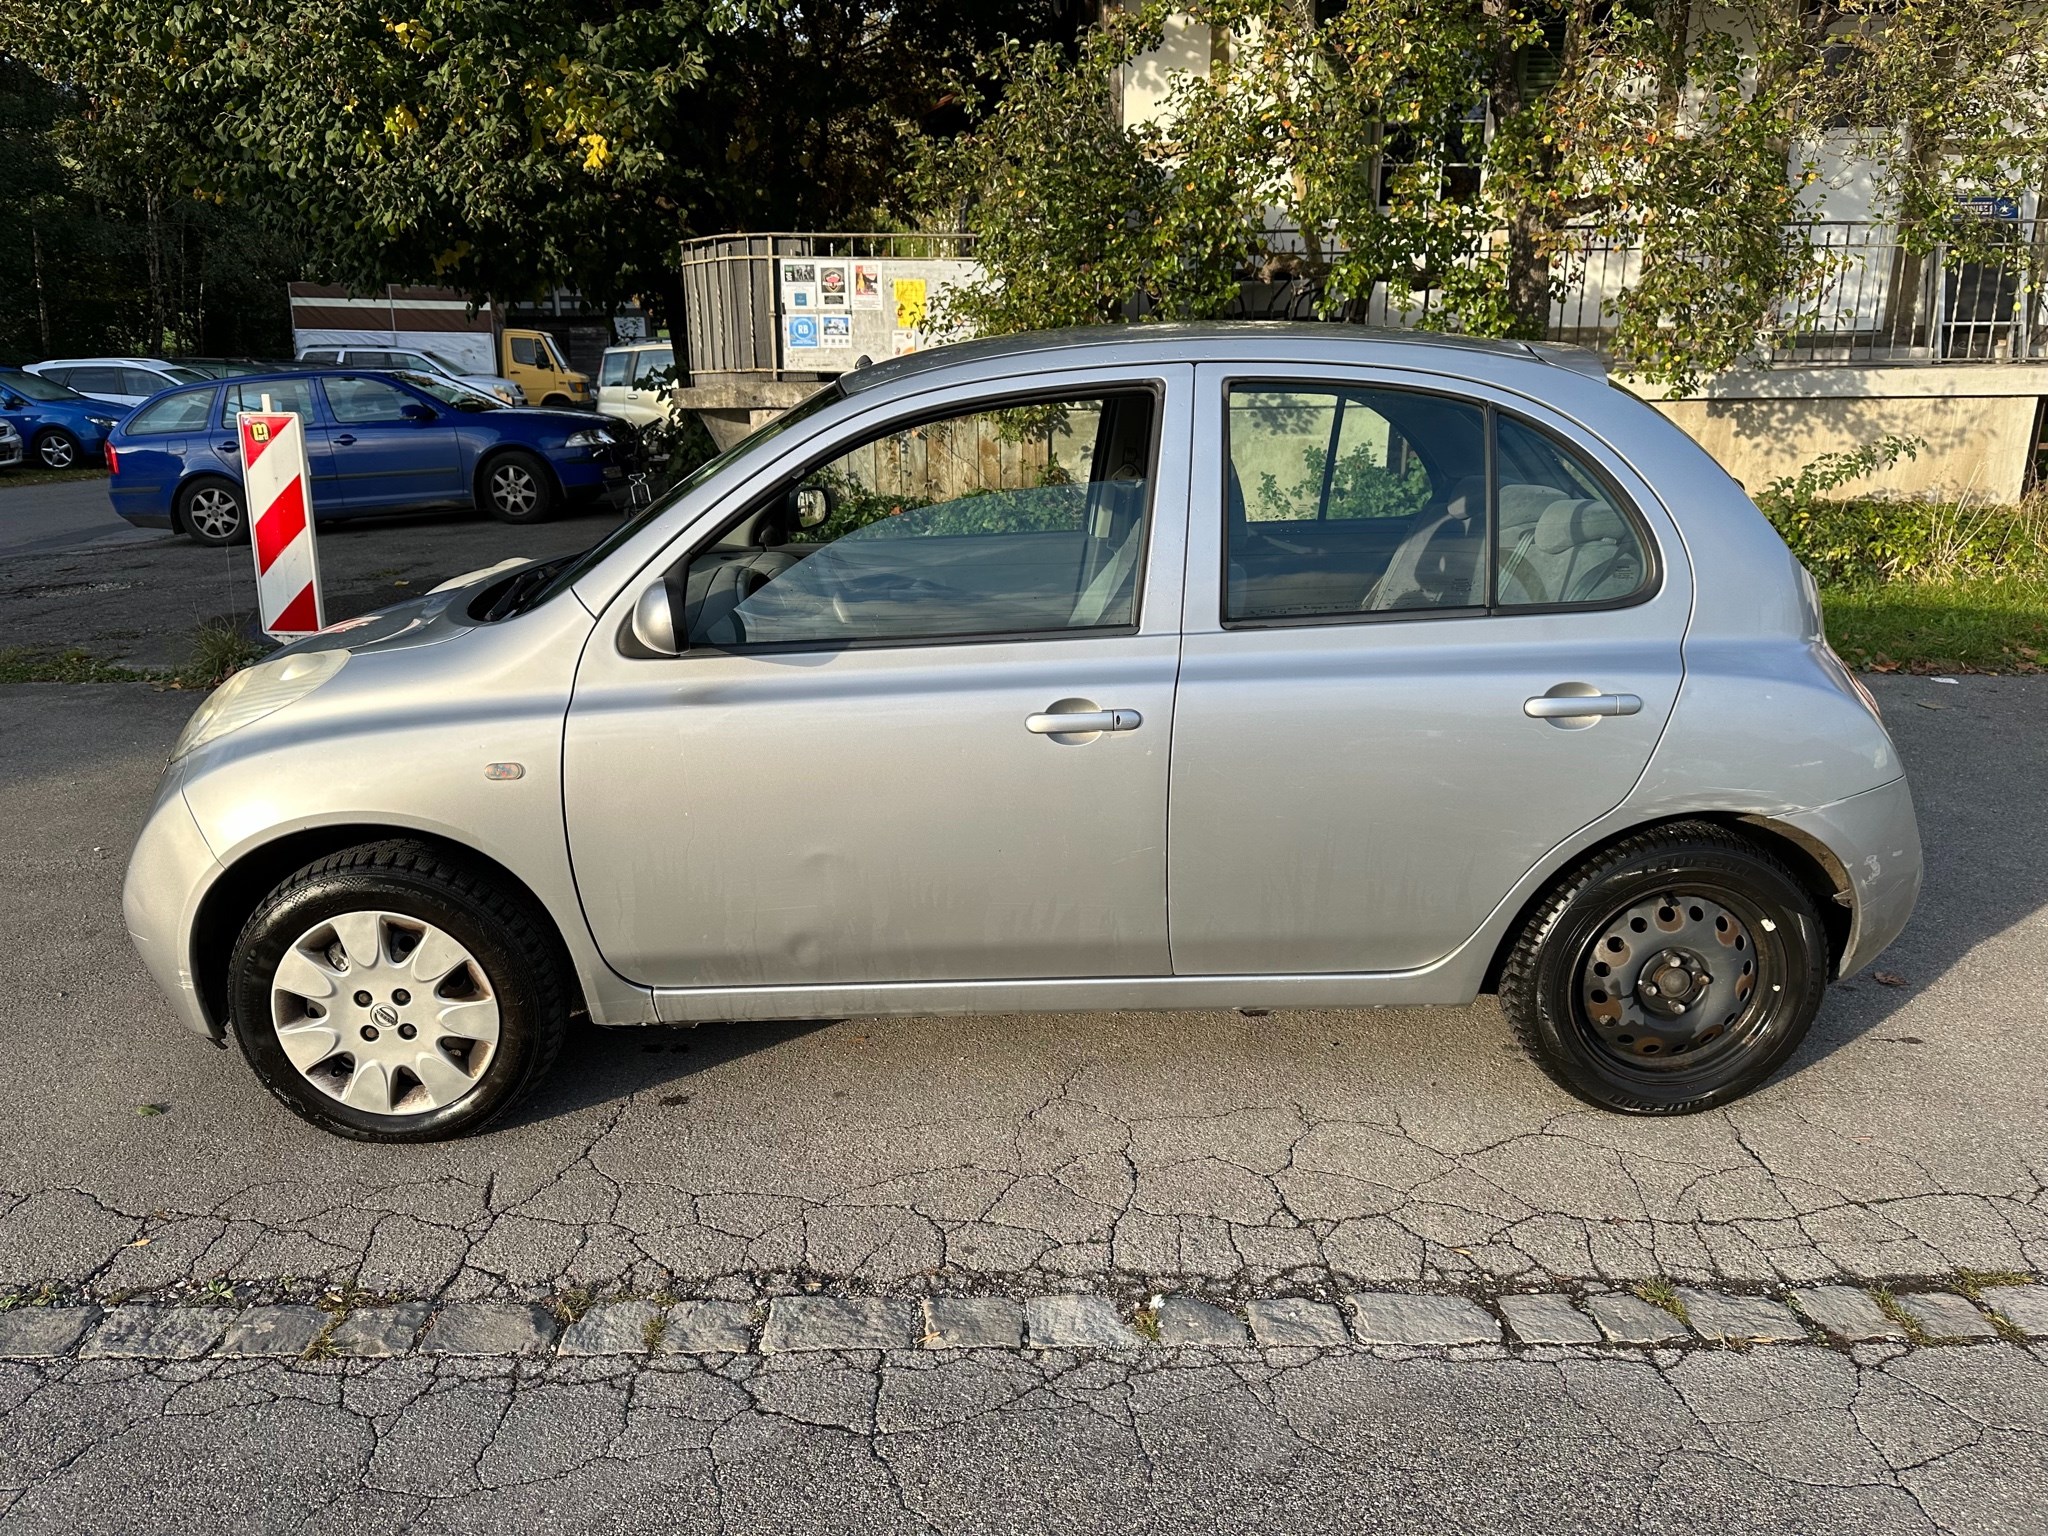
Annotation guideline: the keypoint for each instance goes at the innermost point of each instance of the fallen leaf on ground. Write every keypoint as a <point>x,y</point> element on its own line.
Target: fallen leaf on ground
<point>1888,978</point>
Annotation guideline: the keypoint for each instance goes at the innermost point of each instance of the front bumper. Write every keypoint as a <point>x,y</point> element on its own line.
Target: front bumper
<point>1876,837</point>
<point>168,874</point>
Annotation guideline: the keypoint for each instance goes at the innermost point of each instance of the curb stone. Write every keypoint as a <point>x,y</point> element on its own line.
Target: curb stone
<point>1185,1321</point>
<point>156,1333</point>
<point>1631,1320</point>
<point>378,1333</point>
<point>1740,1319</point>
<point>2025,1307</point>
<point>1389,1317</point>
<point>489,1328</point>
<point>44,1333</point>
<point>972,1322</point>
<point>1077,1322</point>
<point>706,1328</point>
<point>837,1322</point>
<point>1846,1314</point>
<point>1943,1316</point>
<point>1289,1321</point>
<point>1548,1319</point>
<point>273,1331</point>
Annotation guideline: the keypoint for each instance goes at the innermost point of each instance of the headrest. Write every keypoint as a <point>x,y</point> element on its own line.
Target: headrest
<point>1567,523</point>
<point>1523,504</point>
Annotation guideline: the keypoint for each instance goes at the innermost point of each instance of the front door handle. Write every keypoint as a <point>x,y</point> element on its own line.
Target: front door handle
<point>346,438</point>
<point>1083,722</point>
<point>1568,706</point>
<point>231,446</point>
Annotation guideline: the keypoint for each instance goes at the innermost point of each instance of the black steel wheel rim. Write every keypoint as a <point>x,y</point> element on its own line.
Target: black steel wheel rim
<point>1680,982</point>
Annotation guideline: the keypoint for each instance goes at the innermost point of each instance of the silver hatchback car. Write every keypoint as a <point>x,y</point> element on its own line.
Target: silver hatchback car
<point>1170,667</point>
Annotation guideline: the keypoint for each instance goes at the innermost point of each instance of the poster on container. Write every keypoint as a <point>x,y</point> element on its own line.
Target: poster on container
<point>836,315</point>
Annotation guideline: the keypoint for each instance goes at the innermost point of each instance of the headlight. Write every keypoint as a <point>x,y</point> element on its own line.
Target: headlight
<point>505,395</point>
<point>590,437</point>
<point>105,423</point>
<point>255,692</point>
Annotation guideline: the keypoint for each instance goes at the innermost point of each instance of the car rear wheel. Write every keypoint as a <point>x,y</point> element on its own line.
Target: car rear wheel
<point>1670,973</point>
<point>517,488</point>
<point>58,449</point>
<point>392,992</point>
<point>211,511</point>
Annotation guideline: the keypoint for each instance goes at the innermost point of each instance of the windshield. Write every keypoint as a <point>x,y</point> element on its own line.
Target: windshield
<point>554,353</point>
<point>36,388</point>
<point>571,573</point>
<point>448,392</point>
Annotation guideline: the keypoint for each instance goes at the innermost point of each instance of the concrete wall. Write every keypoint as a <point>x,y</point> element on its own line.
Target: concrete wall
<point>1978,424</point>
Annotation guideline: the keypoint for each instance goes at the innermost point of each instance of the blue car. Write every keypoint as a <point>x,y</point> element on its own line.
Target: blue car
<point>60,428</point>
<point>375,442</point>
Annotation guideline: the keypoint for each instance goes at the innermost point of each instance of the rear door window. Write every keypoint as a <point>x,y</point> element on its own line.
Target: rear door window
<point>361,402</point>
<point>140,381</point>
<point>172,415</point>
<point>102,381</point>
<point>1343,501</point>
<point>285,395</point>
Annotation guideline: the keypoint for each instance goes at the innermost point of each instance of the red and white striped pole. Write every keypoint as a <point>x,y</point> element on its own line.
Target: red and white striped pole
<point>274,480</point>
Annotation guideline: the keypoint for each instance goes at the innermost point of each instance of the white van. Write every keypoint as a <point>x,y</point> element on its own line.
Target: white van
<point>637,382</point>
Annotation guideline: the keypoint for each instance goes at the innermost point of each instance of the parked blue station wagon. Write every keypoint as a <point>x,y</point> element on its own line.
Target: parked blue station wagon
<point>375,442</point>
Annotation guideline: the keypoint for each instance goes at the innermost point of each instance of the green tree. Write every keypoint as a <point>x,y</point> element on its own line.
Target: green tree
<point>502,147</point>
<point>1470,150</point>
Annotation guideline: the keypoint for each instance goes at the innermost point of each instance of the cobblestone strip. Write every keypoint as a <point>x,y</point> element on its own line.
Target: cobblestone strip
<point>1602,1320</point>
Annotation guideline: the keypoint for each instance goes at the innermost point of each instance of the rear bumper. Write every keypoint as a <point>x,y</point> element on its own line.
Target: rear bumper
<point>1876,837</point>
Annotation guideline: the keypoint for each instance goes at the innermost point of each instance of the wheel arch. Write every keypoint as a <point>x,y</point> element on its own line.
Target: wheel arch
<point>1811,861</point>
<point>240,887</point>
<point>192,477</point>
<point>498,451</point>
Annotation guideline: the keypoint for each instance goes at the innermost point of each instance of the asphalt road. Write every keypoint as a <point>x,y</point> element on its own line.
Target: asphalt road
<point>1300,1153</point>
<point>72,574</point>
<point>62,514</point>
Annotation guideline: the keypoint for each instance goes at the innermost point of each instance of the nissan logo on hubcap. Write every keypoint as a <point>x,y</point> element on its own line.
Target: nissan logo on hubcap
<point>385,1015</point>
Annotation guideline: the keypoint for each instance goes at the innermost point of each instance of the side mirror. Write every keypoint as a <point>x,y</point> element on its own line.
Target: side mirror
<point>813,506</point>
<point>654,621</point>
<point>418,412</point>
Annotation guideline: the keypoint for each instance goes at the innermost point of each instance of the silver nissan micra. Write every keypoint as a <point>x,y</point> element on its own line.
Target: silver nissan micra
<point>1165,667</point>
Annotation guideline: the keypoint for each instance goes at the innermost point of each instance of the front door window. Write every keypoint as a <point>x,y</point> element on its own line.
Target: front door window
<point>1018,520</point>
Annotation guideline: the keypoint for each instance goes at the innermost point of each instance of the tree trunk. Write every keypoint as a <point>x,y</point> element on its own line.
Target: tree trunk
<point>35,243</point>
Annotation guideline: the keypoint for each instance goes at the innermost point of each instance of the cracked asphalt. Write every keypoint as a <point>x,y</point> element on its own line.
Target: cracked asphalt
<point>1300,1153</point>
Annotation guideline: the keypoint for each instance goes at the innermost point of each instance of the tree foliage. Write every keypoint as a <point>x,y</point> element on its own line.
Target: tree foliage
<point>1472,152</point>
<point>501,146</point>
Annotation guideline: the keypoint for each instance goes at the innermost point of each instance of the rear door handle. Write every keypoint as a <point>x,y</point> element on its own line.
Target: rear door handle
<point>346,438</point>
<point>231,446</point>
<point>1566,706</point>
<point>1082,723</point>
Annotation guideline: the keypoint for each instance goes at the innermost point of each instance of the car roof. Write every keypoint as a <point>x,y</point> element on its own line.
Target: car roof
<point>1217,340</point>
<point>101,362</point>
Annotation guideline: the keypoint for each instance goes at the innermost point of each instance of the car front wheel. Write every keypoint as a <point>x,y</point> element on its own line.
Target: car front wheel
<point>392,992</point>
<point>1670,973</point>
<point>211,511</point>
<point>518,488</point>
<point>58,449</point>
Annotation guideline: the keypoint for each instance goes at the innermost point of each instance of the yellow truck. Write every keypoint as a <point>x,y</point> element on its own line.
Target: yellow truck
<point>531,360</point>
